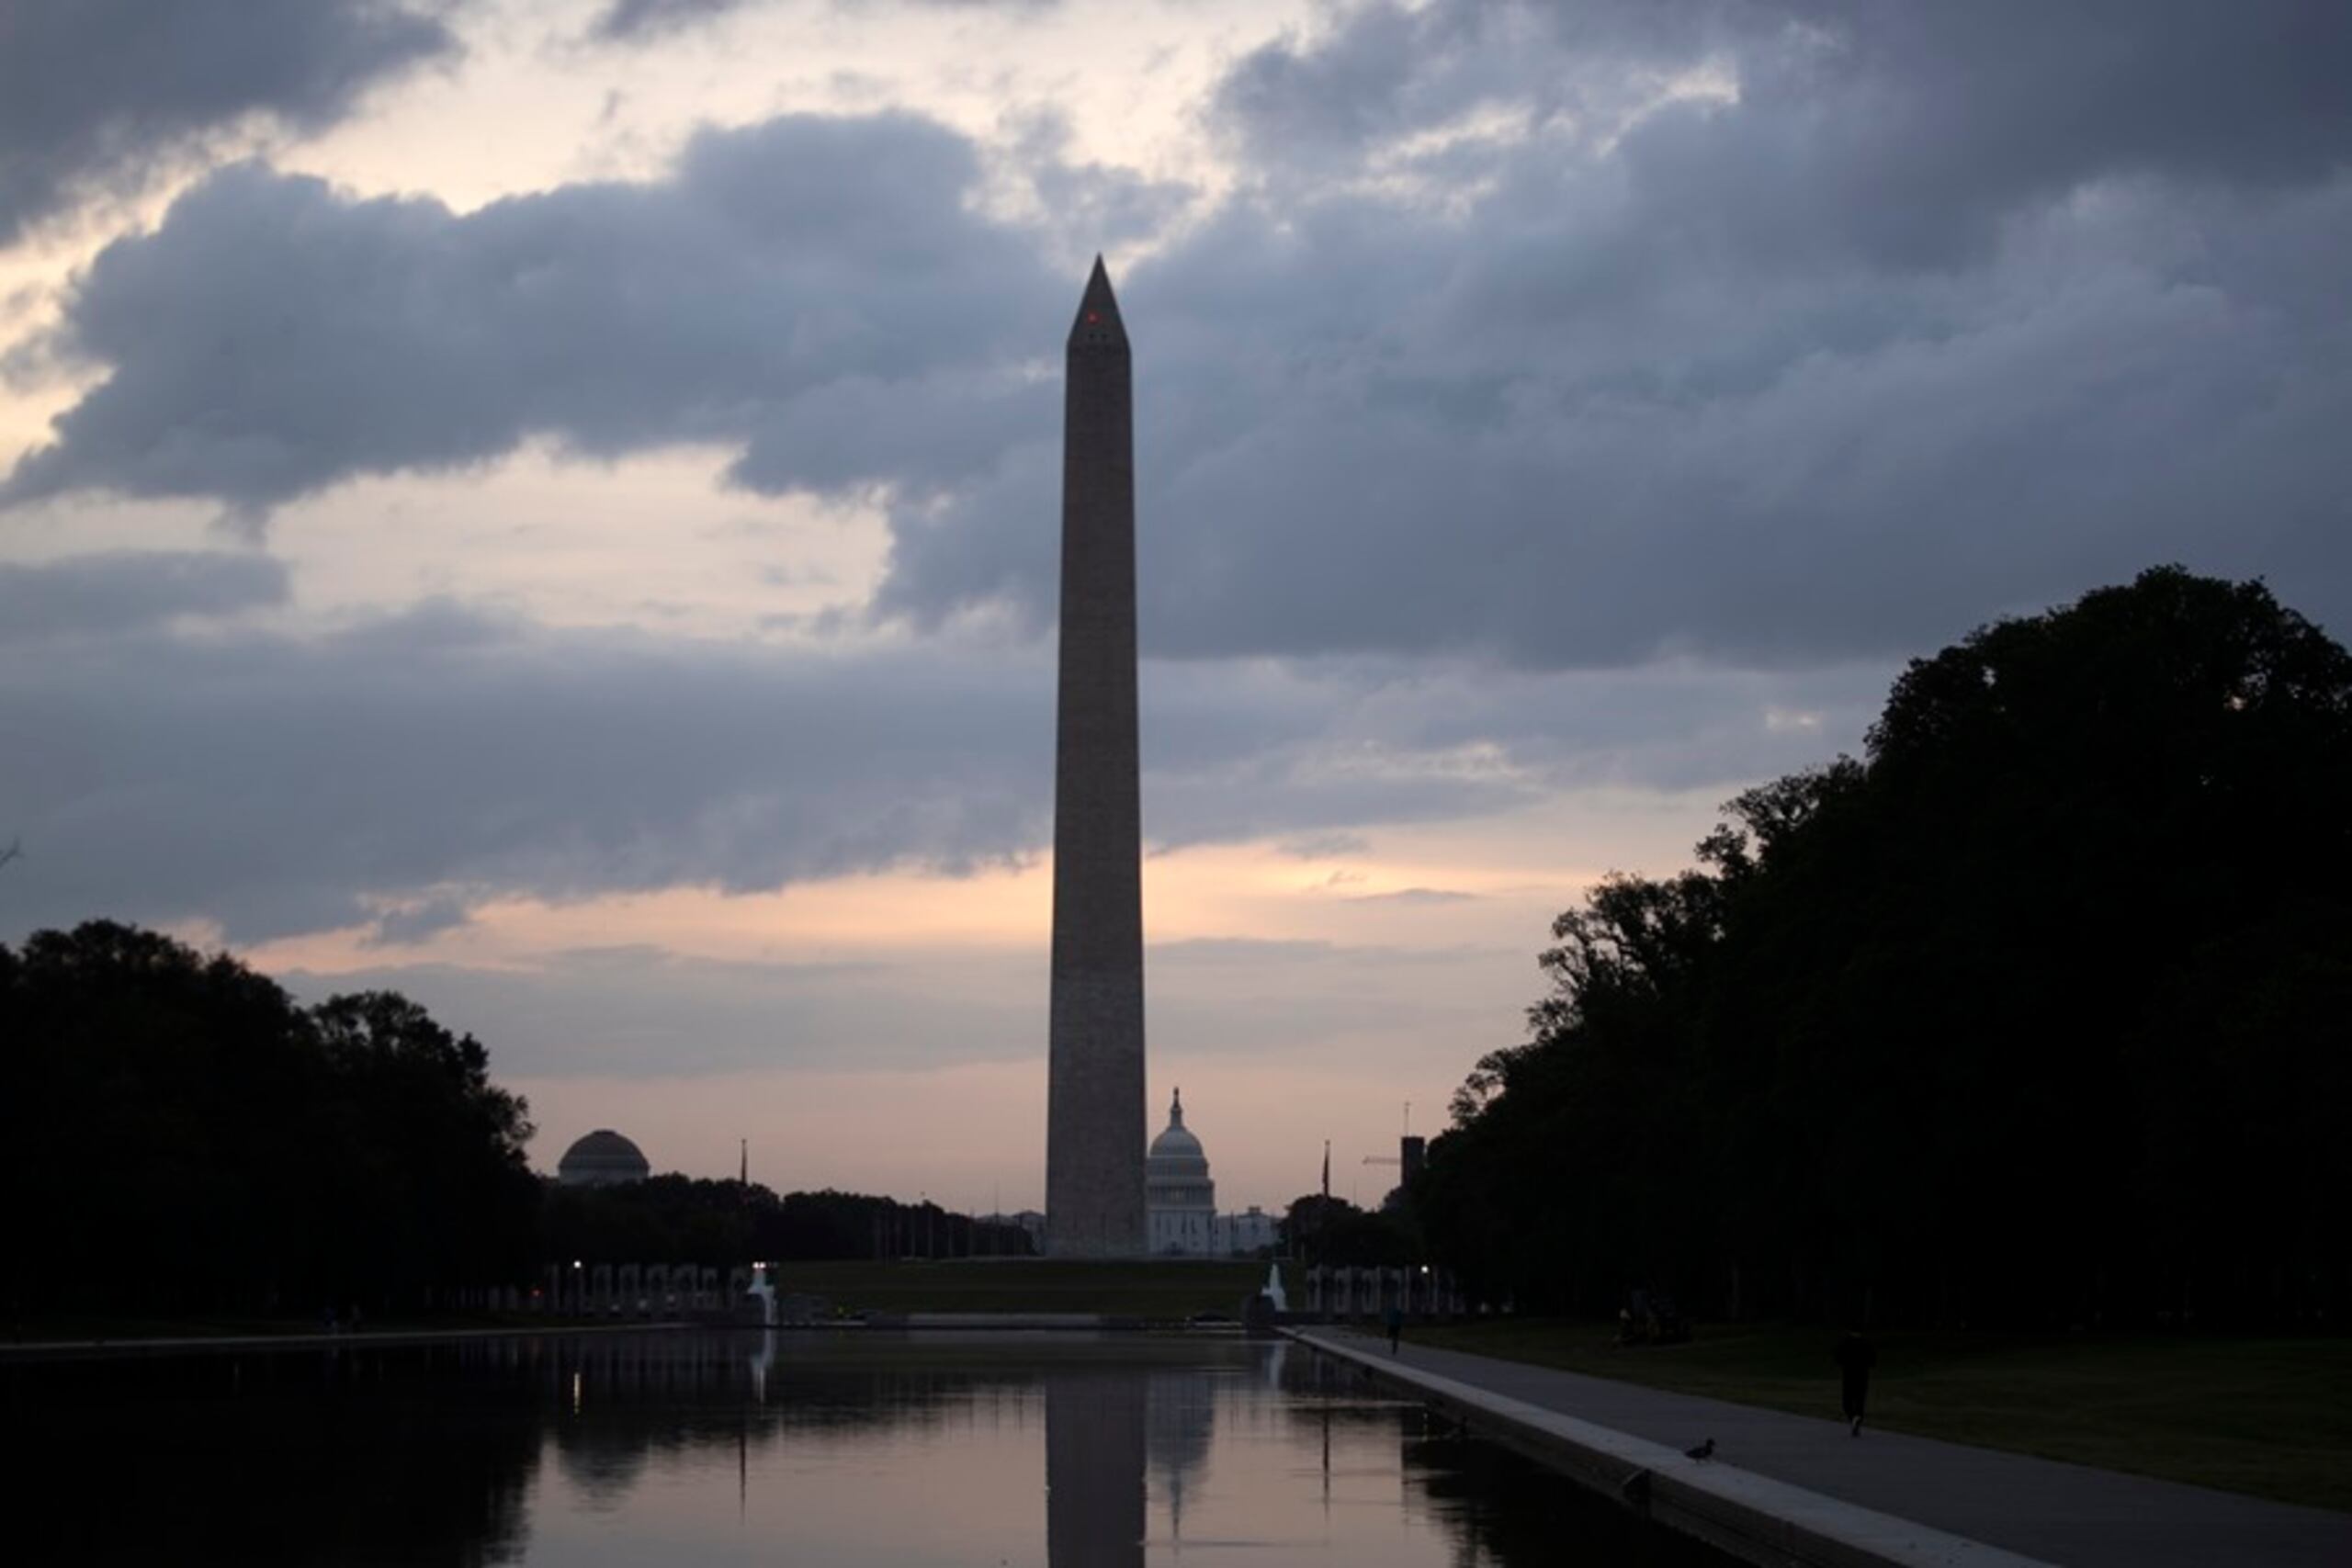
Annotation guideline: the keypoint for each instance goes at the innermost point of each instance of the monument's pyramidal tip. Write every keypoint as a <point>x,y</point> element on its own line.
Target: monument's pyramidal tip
<point>1098,313</point>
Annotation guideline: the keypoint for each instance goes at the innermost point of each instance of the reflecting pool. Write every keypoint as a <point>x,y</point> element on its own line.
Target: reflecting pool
<point>723,1448</point>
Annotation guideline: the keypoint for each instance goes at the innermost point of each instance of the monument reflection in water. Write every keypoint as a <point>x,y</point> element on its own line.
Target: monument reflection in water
<point>847,1449</point>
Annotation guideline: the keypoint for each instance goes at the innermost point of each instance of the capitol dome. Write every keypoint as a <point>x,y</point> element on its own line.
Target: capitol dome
<point>1176,1142</point>
<point>603,1158</point>
<point>1179,1201</point>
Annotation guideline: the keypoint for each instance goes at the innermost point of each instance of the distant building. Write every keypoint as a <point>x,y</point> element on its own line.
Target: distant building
<point>1180,1200</point>
<point>1250,1231</point>
<point>603,1158</point>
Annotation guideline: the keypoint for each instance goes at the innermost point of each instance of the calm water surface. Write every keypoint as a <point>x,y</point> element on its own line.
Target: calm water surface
<point>850,1448</point>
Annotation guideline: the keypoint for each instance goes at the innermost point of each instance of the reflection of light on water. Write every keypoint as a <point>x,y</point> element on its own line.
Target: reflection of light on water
<point>760,1364</point>
<point>575,1393</point>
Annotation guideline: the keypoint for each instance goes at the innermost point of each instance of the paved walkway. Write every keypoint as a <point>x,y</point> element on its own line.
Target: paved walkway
<point>2043,1508</point>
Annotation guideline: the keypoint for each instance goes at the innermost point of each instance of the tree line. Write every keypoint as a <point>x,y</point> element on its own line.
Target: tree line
<point>186,1139</point>
<point>681,1219</point>
<point>1318,1229</point>
<point>2034,1014</point>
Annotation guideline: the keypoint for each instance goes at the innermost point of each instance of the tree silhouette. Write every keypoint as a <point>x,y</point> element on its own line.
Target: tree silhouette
<point>2029,1015</point>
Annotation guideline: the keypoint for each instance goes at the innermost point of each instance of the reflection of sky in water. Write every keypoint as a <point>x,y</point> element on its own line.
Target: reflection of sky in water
<point>851,1449</point>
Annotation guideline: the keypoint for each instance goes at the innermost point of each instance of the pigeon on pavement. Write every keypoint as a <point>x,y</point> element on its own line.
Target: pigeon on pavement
<point>1704,1451</point>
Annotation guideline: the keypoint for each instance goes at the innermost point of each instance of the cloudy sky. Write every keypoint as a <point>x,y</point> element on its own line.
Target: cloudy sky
<point>551,505</point>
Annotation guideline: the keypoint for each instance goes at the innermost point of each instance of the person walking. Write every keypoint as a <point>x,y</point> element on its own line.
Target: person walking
<point>1395,1319</point>
<point>1855,1356</point>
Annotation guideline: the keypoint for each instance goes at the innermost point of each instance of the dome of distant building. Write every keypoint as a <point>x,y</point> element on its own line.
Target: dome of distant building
<point>1179,1201</point>
<point>1176,1151</point>
<point>603,1158</point>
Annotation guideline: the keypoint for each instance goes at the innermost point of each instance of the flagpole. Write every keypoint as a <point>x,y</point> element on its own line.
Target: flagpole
<point>1323,1213</point>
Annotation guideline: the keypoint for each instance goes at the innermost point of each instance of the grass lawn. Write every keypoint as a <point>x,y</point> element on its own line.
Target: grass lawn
<point>1158,1291</point>
<point>2268,1417</point>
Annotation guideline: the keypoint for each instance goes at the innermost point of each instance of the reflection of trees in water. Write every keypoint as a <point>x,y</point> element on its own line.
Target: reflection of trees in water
<point>427,1454</point>
<point>1498,1507</point>
<point>281,1457</point>
<point>1510,1511</point>
<point>619,1404</point>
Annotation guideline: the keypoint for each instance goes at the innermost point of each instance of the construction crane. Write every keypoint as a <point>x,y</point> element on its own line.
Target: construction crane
<point>1409,1150</point>
<point>1395,1158</point>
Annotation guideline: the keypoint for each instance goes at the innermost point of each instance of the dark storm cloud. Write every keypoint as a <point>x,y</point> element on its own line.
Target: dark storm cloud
<point>1513,445</point>
<point>92,92</point>
<point>1898,318</point>
<point>643,1012</point>
<point>1379,742</point>
<point>781,277</point>
<point>1947,312</point>
<point>1913,132</point>
<point>271,782</point>
<point>1387,70</point>
<point>125,591</point>
<point>637,1013</point>
<point>1909,129</point>
<point>396,774</point>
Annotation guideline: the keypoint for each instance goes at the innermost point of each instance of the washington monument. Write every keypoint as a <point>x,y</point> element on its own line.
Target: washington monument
<point>1094,1107</point>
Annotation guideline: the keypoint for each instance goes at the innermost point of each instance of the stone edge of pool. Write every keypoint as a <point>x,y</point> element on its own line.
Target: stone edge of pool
<point>189,1344</point>
<point>1751,1516</point>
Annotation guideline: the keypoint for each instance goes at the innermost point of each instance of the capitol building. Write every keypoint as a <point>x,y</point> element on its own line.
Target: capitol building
<point>1180,1200</point>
